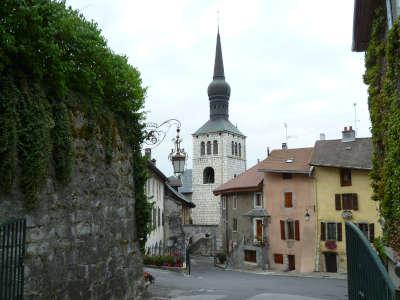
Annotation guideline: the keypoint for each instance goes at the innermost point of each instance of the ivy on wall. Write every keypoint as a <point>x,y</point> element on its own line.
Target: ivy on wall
<point>54,62</point>
<point>382,75</point>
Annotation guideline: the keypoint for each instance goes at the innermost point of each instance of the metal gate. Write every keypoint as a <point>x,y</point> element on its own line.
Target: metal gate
<point>12,251</point>
<point>367,277</point>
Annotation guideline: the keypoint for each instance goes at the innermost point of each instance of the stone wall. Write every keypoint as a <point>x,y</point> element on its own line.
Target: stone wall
<point>81,239</point>
<point>205,239</point>
<point>173,229</point>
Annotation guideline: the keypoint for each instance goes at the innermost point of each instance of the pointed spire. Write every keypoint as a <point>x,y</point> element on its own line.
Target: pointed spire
<point>219,63</point>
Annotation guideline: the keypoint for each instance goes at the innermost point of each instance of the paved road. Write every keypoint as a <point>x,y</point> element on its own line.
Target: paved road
<point>210,283</point>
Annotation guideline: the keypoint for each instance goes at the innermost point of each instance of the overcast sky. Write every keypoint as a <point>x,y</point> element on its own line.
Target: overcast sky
<point>287,61</point>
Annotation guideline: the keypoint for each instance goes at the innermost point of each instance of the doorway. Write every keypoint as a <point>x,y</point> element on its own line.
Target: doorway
<point>292,262</point>
<point>331,262</point>
<point>258,230</point>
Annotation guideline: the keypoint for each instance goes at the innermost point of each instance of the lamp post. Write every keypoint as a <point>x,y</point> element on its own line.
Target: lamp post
<point>155,135</point>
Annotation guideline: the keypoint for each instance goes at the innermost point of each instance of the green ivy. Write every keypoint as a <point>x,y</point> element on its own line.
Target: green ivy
<point>8,133</point>
<point>383,78</point>
<point>53,63</point>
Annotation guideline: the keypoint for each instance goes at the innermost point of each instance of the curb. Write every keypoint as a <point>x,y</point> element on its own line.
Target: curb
<point>274,273</point>
<point>174,269</point>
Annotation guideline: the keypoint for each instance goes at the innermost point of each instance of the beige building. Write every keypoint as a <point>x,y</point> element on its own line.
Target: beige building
<point>343,193</point>
<point>289,198</point>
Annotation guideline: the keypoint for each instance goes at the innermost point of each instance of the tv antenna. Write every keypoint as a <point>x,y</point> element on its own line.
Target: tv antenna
<point>355,116</point>
<point>287,137</point>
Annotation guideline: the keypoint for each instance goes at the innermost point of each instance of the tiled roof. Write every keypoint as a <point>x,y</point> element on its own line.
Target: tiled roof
<point>218,125</point>
<point>287,161</point>
<point>249,180</point>
<point>178,196</point>
<point>335,153</point>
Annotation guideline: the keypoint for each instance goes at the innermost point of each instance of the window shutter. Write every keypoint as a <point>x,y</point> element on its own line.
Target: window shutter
<point>297,230</point>
<point>288,199</point>
<point>338,202</point>
<point>283,235</point>
<point>371,232</point>
<point>339,231</point>
<point>355,201</point>
<point>323,233</point>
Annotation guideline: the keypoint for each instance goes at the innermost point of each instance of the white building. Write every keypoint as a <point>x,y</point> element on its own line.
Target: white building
<point>155,193</point>
<point>219,149</point>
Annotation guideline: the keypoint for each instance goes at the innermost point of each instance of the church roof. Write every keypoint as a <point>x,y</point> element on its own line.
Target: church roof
<point>218,125</point>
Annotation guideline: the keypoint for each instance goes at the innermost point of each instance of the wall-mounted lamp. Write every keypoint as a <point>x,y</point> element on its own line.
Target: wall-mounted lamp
<point>307,215</point>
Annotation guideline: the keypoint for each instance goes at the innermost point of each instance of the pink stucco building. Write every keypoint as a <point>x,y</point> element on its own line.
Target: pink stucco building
<point>289,198</point>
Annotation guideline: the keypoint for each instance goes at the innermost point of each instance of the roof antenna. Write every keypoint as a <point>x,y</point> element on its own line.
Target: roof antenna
<point>355,116</point>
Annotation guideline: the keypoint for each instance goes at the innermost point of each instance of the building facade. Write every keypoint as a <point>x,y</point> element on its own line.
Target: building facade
<point>244,220</point>
<point>155,186</point>
<point>219,149</point>
<point>289,197</point>
<point>343,193</point>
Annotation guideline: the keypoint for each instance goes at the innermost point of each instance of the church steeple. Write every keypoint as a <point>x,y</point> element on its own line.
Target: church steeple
<point>219,90</point>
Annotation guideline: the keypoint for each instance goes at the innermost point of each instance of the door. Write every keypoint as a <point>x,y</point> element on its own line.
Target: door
<point>259,230</point>
<point>331,262</point>
<point>292,262</point>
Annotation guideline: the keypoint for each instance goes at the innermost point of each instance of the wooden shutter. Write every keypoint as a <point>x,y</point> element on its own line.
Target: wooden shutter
<point>338,202</point>
<point>339,231</point>
<point>288,199</point>
<point>355,201</point>
<point>323,233</point>
<point>283,235</point>
<point>297,230</point>
<point>371,232</point>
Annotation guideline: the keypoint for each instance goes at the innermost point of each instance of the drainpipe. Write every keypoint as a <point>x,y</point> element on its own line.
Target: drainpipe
<point>317,238</point>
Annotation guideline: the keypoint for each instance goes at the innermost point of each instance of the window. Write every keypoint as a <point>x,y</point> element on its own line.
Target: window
<point>223,202</point>
<point>215,147</point>
<point>236,149</point>
<point>290,230</point>
<point>345,177</point>
<point>234,224</point>
<point>287,176</point>
<point>257,200</point>
<point>233,148</point>
<point>240,150</point>
<point>278,258</point>
<point>368,230</point>
<point>331,231</point>
<point>208,175</point>
<point>346,201</point>
<point>288,199</point>
<point>202,148</point>
<point>154,218</point>
<point>234,201</point>
<point>250,256</point>
<point>208,148</point>
<point>158,217</point>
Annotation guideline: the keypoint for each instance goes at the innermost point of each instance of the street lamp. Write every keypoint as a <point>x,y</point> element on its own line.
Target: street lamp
<point>178,155</point>
<point>155,135</point>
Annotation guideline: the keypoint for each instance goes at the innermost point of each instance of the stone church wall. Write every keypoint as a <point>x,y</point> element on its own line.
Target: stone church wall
<point>81,239</point>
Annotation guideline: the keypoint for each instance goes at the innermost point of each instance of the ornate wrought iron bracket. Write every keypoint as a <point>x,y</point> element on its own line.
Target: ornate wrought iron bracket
<point>156,133</point>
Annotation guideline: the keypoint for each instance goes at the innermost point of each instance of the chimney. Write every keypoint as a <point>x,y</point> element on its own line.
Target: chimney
<point>258,160</point>
<point>322,137</point>
<point>153,161</point>
<point>147,153</point>
<point>267,151</point>
<point>348,135</point>
<point>284,146</point>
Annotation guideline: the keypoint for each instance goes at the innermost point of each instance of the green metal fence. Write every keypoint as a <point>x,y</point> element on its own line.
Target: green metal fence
<point>12,251</point>
<point>367,277</point>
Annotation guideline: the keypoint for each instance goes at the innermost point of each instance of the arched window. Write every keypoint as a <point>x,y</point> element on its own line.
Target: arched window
<point>240,150</point>
<point>208,175</point>
<point>208,147</point>
<point>235,148</point>
<point>215,147</point>
<point>202,148</point>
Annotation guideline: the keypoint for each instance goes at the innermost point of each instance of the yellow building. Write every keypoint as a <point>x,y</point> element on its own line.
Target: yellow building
<point>343,193</point>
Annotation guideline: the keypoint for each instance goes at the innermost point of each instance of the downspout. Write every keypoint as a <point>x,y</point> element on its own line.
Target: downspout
<point>317,241</point>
